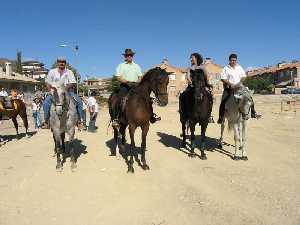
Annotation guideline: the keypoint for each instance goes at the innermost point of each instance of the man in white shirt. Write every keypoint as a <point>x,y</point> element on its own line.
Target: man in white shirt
<point>94,109</point>
<point>232,75</point>
<point>61,73</point>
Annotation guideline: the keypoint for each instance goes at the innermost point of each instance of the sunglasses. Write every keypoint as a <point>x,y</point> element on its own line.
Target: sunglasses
<point>129,55</point>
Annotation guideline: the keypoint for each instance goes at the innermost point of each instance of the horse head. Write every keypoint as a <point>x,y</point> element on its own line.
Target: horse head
<point>58,92</point>
<point>243,97</point>
<point>199,87</point>
<point>159,84</point>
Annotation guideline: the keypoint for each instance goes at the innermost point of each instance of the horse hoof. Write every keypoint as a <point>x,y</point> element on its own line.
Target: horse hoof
<point>236,158</point>
<point>145,167</point>
<point>130,170</point>
<point>183,145</point>
<point>192,155</point>
<point>203,157</point>
<point>59,167</point>
<point>73,166</point>
<point>245,158</point>
<point>220,146</point>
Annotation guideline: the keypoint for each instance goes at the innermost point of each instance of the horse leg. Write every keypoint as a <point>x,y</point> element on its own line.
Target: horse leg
<point>202,143</point>
<point>220,144</point>
<point>244,154</point>
<point>116,134</point>
<point>132,129</point>
<point>14,119</point>
<point>145,129</point>
<point>236,140</point>
<point>25,121</point>
<point>71,134</point>
<point>55,146</point>
<point>59,164</point>
<point>192,128</point>
<point>183,126</point>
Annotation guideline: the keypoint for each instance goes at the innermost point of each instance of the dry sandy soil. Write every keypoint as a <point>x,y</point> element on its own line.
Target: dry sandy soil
<point>177,190</point>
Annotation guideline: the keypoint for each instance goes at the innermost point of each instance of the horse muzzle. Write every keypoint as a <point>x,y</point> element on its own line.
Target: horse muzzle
<point>59,110</point>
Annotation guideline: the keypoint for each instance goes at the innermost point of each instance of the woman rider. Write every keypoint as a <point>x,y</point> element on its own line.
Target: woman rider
<point>197,67</point>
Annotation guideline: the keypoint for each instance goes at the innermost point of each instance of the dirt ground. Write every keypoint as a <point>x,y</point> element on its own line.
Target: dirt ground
<point>177,190</point>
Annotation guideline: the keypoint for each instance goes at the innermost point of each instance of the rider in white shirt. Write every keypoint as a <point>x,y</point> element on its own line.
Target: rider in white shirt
<point>232,75</point>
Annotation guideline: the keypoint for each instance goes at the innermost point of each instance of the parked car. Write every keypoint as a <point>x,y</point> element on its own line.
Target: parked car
<point>291,91</point>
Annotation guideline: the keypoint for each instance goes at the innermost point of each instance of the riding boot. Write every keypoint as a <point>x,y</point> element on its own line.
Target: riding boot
<point>253,113</point>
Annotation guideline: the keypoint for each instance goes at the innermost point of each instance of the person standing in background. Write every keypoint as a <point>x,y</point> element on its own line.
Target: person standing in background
<point>36,113</point>
<point>93,109</point>
<point>84,109</point>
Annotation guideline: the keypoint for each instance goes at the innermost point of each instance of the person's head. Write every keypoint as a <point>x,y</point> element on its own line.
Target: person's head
<point>233,60</point>
<point>128,55</point>
<point>61,63</point>
<point>14,93</point>
<point>93,94</point>
<point>196,59</point>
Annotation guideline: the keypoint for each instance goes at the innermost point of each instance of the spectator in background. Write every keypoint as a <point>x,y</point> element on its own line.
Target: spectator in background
<point>3,92</point>
<point>36,113</point>
<point>21,96</point>
<point>84,109</point>
<point>93,109</point>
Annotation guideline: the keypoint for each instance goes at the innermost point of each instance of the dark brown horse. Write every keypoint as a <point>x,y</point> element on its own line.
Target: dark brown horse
<point>18,108</point>
<point>137,109</point>
<point>196,109</point>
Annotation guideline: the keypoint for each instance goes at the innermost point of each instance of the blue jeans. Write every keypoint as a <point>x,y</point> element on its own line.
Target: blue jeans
<point>37,119</point>
<point>47,105</point>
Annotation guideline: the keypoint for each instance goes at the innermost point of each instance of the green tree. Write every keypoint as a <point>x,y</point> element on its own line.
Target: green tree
<point>114,84</point>
<point>19,68</point>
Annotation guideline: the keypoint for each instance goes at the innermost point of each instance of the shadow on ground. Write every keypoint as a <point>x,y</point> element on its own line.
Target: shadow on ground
<point>8,138</point>
<point>174,142</point>
<point>79,149</point>
<point>124,151</point>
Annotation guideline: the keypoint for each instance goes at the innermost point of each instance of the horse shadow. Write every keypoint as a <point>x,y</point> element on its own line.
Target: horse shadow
<point>79,149</point>
<point>8,138</point>
<point>124,151</point>
<point>211,144</point>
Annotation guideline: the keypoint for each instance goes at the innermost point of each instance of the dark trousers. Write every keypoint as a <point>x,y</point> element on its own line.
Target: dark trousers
<point>226,94</point>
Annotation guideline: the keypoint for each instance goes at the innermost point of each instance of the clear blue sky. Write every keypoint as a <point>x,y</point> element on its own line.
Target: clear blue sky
<point>261,32</point>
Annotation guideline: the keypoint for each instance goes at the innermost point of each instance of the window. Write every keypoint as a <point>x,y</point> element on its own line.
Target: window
<point>172,76</point>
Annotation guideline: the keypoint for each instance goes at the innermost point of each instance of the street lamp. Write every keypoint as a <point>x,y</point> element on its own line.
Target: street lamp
<point>75,50</point>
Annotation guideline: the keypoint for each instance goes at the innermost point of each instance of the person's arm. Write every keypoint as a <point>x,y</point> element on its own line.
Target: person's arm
<point>188,76</point>
<point>207,79</point>
<point>71,82</point>
<point>139,73</point>
<point>243,75</point>
<point>119,76</point>
<point>225,80</point>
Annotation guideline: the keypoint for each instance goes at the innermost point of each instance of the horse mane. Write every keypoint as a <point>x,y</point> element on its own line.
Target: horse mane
<point>147,77</point>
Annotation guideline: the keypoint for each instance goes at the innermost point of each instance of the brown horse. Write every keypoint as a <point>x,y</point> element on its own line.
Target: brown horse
<point>137,109</point>
<point>18,108</point>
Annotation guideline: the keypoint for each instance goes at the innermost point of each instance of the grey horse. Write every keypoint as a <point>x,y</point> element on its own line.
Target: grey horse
<point>63,118</point>
<point>237,113</point>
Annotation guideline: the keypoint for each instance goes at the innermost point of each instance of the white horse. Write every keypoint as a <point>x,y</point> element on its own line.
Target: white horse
<point>237,112</point>
<point>63,118</point>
